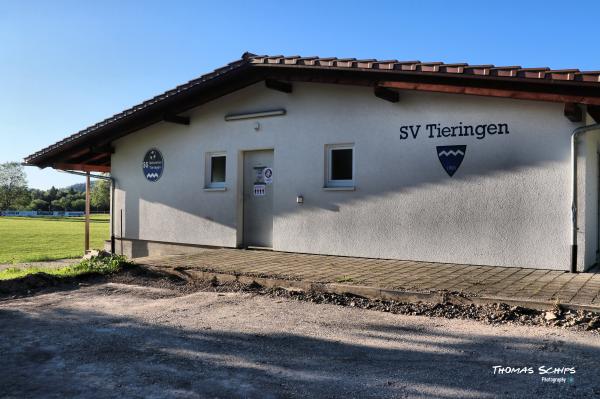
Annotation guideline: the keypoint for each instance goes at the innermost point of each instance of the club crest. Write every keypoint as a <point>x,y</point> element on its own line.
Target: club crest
<point>451,156</point>
<point>153,165</point>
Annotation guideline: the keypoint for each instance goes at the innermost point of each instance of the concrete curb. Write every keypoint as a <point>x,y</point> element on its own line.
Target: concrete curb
<point>370,292</point>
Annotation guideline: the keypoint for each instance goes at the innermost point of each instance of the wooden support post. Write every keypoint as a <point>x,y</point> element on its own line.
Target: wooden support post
<point>87,211</point>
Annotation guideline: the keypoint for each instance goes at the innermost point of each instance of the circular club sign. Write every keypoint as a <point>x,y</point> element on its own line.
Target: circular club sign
<point>268,175</point>
<point>153,165</point>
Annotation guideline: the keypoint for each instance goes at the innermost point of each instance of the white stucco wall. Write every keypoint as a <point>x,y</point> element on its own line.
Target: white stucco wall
<point>508,203</point>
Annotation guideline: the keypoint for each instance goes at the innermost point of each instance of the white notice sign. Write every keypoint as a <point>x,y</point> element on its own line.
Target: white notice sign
<point>268,175</point>
<point>259,190</point>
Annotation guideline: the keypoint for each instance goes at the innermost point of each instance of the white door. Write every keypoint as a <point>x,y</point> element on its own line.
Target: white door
<point>258,198</point>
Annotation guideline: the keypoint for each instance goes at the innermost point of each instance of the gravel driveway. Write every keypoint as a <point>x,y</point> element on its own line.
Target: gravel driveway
<point>117,340</point>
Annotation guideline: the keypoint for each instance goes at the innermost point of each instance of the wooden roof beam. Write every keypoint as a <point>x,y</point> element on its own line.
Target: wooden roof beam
<point>98,156</point>
<point>180,120</point>
<point>482,91</point>
<point>278,85</point>
<point>573,112</point>
<point>594,112</point>
<point>105,149</point>
<point>82,167</point>
<point>387,94</point>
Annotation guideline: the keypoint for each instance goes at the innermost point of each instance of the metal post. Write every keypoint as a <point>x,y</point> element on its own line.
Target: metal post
<point>87,212</point>
<point>112,216</point>
<point>121,231</point>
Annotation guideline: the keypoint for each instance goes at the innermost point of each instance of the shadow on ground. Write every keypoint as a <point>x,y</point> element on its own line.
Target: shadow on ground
<point>56,351</point>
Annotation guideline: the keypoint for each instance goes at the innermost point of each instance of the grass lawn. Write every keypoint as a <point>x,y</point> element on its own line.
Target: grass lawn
<point>33,239</point>
<point>98,265</point>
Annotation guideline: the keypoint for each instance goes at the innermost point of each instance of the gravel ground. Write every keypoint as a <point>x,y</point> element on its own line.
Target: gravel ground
<point>117,339</point>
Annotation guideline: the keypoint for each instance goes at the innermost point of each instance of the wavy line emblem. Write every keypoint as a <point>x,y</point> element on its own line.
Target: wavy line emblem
<point>451,156</point>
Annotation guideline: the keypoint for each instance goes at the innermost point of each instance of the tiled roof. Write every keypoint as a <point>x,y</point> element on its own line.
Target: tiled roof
<point>430,67</point>
<point>542,74</point>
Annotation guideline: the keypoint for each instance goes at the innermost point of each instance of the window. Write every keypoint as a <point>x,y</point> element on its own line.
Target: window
<point>216,170</point>
<point>340,165</point>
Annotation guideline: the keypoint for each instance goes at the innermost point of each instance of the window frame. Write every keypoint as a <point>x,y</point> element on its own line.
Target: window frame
<point>209,184</point>
<point>337,183</point>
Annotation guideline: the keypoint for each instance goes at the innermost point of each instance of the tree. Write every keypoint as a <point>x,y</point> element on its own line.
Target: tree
<point>100,196</point>
<point>78,205</point>
<point>57,205</point>
<point>51,194</point>
<point>38,205</point>
<point>13,185</point>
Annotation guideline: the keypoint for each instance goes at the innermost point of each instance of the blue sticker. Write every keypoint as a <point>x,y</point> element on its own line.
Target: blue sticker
<point>451,156</point>
<point>153,165</point>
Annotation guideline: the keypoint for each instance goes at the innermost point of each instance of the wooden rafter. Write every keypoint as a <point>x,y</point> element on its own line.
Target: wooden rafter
<point>82,167</point>
<point>97,157</point>
<point>482,91</point>
<point>573,112</point>
<point>105,149</point>
<point>387,94</point>
<point>278,85</point>
<point>180,120</point>
<point>594,112</point>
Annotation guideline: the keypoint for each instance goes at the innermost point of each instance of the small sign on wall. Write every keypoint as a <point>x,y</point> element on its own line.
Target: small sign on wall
<point>259,190</point>
<point>268,175</point>
<point>153,165</point>
<point>259,174</point>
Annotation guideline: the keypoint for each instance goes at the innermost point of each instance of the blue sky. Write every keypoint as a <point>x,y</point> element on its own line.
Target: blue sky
<point>65,65</point>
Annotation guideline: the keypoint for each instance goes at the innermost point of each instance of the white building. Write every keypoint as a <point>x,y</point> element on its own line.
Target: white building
<point>380,159</point>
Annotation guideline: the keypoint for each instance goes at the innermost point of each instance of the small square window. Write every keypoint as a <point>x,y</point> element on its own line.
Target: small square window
<point>216,165</point>
<point>340,165</point>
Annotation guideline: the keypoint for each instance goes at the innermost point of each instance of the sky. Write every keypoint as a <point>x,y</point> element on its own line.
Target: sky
<point>65,65</point>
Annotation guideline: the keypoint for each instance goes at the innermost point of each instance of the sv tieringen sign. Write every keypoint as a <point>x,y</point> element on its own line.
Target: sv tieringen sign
<point>437,130</point>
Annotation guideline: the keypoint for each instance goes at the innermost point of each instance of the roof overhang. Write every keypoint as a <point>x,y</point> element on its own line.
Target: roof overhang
<point>90,149</point>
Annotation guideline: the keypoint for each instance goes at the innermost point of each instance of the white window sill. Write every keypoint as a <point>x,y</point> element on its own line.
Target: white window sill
<point>215,188</point>
<point>341,188</point>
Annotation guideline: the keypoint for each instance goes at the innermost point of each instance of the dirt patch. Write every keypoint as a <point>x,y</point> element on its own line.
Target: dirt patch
<point>39,283</point>
<point>35,283</point>
<point>498,313</point>
<point>494,314</point>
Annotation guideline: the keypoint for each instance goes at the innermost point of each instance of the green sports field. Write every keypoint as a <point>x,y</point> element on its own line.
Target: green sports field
<point>24,239</point>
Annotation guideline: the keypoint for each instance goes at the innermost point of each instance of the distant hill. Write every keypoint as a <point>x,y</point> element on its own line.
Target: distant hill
<point>80,187</point>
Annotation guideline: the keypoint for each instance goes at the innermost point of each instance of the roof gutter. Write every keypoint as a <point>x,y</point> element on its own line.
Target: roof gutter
<point>574,137</point>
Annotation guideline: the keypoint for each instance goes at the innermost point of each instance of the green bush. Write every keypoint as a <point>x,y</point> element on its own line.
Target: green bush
<point>99,264</point>
<point>96,264</point>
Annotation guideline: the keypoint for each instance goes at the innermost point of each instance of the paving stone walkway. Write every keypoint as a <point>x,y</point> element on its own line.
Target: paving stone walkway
<point>485,281</point>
